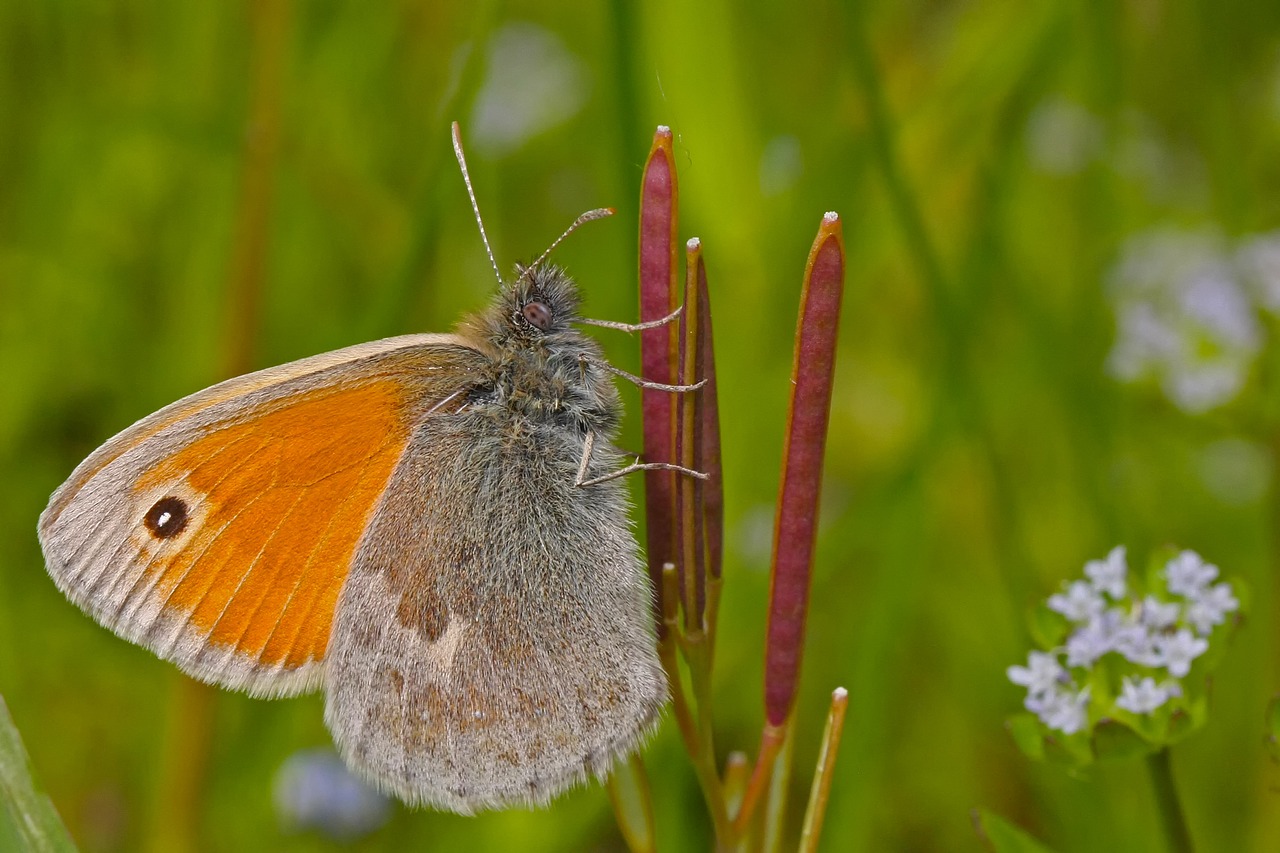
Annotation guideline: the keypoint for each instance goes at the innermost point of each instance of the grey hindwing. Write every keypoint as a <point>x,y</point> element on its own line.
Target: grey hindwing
<point>493,643</point>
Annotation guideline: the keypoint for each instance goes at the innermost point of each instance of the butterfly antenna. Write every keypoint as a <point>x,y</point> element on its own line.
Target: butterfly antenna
<point>466,179</point>
<point>589,216</point>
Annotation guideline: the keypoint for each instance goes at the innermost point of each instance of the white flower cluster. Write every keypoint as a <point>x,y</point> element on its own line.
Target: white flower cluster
<point>1187,305</point>
<point>1148,632</point>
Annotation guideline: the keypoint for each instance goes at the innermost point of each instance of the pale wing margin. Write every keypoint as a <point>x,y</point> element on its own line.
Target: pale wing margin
<point>88,530</point>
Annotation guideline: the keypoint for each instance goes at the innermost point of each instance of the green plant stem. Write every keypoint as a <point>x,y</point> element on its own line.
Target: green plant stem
<point>775,805</point>
<point>1166,794</point>
<point>770,744</point>
<point>695,732</point>
<point>697,653</point>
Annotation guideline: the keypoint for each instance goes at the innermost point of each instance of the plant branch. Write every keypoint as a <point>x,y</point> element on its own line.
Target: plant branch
<point>1172,818</point>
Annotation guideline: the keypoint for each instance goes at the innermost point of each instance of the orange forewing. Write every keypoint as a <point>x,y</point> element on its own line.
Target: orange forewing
<point>285,497</point>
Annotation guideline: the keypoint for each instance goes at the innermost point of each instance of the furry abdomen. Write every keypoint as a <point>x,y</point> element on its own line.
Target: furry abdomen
<point>494,642</point>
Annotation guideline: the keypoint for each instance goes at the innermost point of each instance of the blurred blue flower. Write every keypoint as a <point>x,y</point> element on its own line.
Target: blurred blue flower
<point>533,83</point>
<point>1188,574</point>
<point>1040,675</point>
<point>1175,652</point>
<point>1063,137</point>
<point>781,164</point>
<point>1080,603</point>
<point>1211,607</point>
<point>1143,697</point>
<point>1109,575</point>
<point>1064,710</point>
<point>314,790</point>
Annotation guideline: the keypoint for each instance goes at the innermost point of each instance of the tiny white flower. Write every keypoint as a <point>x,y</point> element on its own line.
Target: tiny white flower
<point>1136,643</point>
<point>1158,615</point>
<point>1080,603</point>
<point>1177,651</point>
<point>1065,711</point>
<point>1188,574</point>
<point>1087,644</point>
<point>1142,697</point>
<point>1211,607</point>
<point>1041,674</point>
<point>1109,575</point>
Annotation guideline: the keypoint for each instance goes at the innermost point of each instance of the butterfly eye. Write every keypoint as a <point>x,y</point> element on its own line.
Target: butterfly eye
<point>538,314</point>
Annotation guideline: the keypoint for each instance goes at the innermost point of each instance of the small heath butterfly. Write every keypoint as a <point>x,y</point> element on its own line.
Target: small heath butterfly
<point>425,527</point>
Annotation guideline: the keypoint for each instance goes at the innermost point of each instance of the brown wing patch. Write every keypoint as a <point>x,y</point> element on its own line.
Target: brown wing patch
<point>282,499</point>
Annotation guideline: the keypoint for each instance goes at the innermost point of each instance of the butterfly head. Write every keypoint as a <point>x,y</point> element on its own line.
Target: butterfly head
<point>535,311</point>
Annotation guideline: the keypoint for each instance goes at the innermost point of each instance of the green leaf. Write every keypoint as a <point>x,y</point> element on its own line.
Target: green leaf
<point>1187,719</point>
<point>1073,750</point>
<point>1114,740</point>
<point>628,787</point>
<point>1002,836</point>
<point>28,820</point>
<point>1048,628</point>
<point>1244,594</point>
<point>1027,735</point>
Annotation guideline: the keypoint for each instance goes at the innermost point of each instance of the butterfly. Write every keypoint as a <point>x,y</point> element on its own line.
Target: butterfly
<point>428,527</point>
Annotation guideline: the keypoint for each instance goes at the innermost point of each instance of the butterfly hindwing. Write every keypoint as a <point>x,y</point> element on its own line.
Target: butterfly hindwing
<point>218,532</point>
<point>493,644</point>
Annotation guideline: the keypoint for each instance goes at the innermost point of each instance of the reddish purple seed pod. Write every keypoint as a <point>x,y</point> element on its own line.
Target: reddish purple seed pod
<point>795,527</point>
<point>658,197</point>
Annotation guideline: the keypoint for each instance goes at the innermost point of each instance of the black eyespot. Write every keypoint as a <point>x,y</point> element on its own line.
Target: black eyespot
<point>167,518</point>
<point>538,314</point>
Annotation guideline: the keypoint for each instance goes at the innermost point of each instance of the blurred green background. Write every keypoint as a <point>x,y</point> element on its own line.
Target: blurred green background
<point>189,187</point>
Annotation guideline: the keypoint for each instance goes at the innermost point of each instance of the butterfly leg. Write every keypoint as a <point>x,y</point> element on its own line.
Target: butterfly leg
<point>643,383</point>
<point>581,481</point>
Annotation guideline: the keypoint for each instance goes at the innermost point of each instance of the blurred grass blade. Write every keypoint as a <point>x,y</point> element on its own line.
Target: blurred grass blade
<point>657,350</point>
<point>796,524</point>
<point>1273,728</point>
<point>628,788</point>
<point>1003,837</point>
<point>821,790</point>
<point>28,820</point>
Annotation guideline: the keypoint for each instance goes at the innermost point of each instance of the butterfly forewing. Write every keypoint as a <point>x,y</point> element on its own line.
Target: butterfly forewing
<point>218,532</point>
